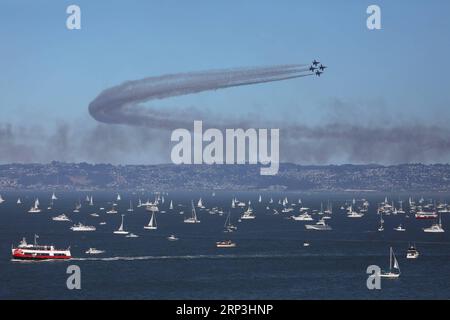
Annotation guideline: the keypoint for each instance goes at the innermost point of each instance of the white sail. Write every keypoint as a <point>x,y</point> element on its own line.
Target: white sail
<point>152,224</point>
<point>36,203</point>
<point>259,199</point>
<point>121,225</point>
<point>200,203</point>
<point>171,205</point>
<point>19,201</point>
<point>1,199</point>
<point>54,196</point>
<point>118,197</point>
<point>91,201</point>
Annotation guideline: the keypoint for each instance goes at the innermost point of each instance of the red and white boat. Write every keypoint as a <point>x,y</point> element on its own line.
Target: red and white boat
<point>25,251</point>
<point>422,215</point>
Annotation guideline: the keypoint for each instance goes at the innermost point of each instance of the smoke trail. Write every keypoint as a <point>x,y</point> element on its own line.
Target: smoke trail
<point>120,104</point>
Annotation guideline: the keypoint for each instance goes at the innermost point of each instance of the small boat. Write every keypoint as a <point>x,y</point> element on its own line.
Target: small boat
<point>172,237</point>
<point>130,209</point>
<point>226,244</point>
<point>95,215</point>
<point>82,228</point>
<point>1,199</point>
<point>321,225</point>
<point>248,214</point>
<point>228,226</point>
<point>54,196</point>
<point>61,217</point>
<point>91,201</point>
<point>152,223</point>
<point>435,228</point>
<point>393,265</point>
<point>193,218</point>
<point>412,252</point>
<point>381,227</point>
<point>112,211</point>
<point>303,217</point>
<point>35,208</point>
<point>131,235</point>
<point>118,197</point>
<point>102,209</point>
<point>102,223</point>
<point>400,229</point>
<point>94,251</point>
<point>171,205</point>
<point>121,230</point>
<point>306,244</point>
<point>19,201</point>
<point>354,214</point>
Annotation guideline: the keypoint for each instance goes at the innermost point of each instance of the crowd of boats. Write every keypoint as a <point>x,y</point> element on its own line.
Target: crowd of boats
<point>316,220</point>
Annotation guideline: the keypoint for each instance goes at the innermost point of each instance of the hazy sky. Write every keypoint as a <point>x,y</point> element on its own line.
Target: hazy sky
<point>49,75</point>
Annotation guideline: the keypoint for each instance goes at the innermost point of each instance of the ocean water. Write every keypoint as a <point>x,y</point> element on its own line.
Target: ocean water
<point>269,262</point>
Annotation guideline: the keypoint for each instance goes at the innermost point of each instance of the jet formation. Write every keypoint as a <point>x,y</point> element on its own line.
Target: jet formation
<point>317,68</point>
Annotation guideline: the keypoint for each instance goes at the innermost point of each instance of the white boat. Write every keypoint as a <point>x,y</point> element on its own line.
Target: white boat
<point>259,199</point>
<point>171,205</point>
<point>248,214</point>
<point>152,208</point>
<point>35,208</point>
<point>172,237</point>
<point>131,235</point>
<point>226,244</point>
<point>95,215</point>
<point>200,204</point>
<point>91,201</point>
<point>112,211</point>
<point>130,209</point>
<point>77,208</point>
<point>321,225</point>
<point>121,230</point>
<point>354,214</point>
<point>152,224</point>
<point>229,227</point>
<point>118,197</point>
<point>306,244</point>
<point>400,228</point>
<point>381,227</point>
<point>435,228</point>
<point>1,199</point>
<point>54,196</point>
<point>82,228</point>
<point>19,201</point>
<point>102,223</point>
<point>412,252</point>
<point>193,218</point>
<point>303,217</point>
<point>394,268</point>
<point>94,251</point>
<point>61,217</point>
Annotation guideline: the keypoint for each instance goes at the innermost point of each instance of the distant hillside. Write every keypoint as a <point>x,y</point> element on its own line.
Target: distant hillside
<point>84,176</point>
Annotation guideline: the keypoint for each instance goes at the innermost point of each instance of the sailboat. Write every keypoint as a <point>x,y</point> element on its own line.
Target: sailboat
<point>77,207</point>
<point>130,209</point>
<point>152,224</point>
<point>91,201</point>
<point>1,199</point>
<point>229,227</point>
<point>248,214</point>
<point>118,197</point>
<point>35,208</point>
<point>193,218</point>
<point>54,197</point>
<point>260,199</point>
<point>171,205</point>
<point>121,230</point>
<point>19,201</point>
<point>381,228</point>
<point>393,265</point>
<point>233,203</point>
<point>200,204</point>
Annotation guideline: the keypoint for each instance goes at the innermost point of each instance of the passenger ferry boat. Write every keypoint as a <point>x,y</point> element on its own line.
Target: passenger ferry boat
<point>25,251</point>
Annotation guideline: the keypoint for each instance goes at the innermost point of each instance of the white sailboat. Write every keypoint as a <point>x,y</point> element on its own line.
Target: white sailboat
<point>152,224</point>
<point>259,199</point>
<point>200,204</point>
<point>121,230</point>
<point>229,227</point>
<point>19,201</point>
<point>91,201</point>
<point>118,197</point>
<point>193,218</point>
<point>1,199</point>
<point>248,214</point>
<point>381,228</point>
<point>130,209</point>
<point>393,265</point>
<point>54,197</point>
<point>233,203</point>
<point>171,205</point>
<point>35,208</point>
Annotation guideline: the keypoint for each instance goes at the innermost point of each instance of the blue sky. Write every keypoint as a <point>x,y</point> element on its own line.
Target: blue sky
<point>50,74</point>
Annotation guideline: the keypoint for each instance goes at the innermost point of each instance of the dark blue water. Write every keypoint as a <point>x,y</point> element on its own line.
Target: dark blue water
<point>270,261</point>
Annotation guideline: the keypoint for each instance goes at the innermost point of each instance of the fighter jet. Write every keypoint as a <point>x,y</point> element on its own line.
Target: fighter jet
<point>312,69</point>
<point>318,73</point>
<point>322,67</point>
<point>315,63</point>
